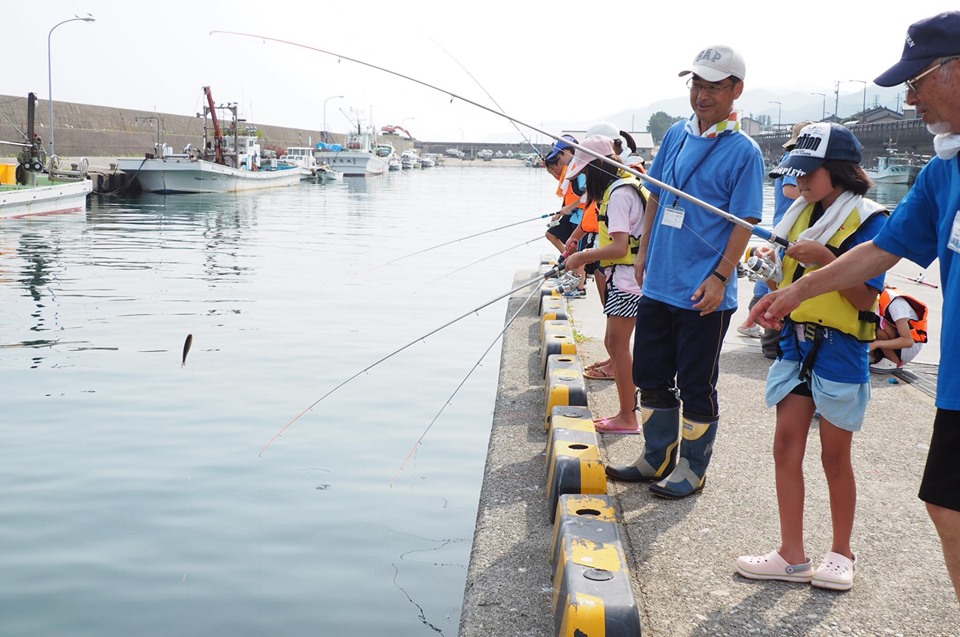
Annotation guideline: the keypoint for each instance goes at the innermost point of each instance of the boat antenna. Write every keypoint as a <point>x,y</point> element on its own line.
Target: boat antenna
<point>754,229</point>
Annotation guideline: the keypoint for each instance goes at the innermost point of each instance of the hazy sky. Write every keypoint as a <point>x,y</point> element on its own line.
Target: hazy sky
<point>534,58</point>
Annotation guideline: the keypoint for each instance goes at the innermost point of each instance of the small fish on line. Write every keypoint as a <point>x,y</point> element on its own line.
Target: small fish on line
<point>186,349</point>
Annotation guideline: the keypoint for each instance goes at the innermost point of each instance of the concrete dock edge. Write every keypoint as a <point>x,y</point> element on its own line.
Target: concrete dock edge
<point>681,554</point>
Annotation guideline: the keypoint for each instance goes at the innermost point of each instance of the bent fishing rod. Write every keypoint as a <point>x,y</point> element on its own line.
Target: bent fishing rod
<point>556,269</point>
<point>754,229</point>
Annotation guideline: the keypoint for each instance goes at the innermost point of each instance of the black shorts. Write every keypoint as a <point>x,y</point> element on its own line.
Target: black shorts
<point>587,242</point>
<point>563,229</point>
<point>941,477</point>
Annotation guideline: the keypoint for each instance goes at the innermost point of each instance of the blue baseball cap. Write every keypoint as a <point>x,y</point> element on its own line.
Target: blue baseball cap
<point>927,40</point>
<point>816,144</point>
<point>560,146</point>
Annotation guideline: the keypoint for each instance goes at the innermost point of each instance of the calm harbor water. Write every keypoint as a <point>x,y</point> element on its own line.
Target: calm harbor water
<point>133,496</point>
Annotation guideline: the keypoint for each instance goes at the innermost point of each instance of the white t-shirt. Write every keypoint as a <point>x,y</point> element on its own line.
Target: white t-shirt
<point>900,308</point>
<point>625,214</point>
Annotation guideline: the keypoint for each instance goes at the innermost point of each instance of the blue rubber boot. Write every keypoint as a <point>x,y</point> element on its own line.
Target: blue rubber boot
<point>690,474</point>
<point>661,439</point>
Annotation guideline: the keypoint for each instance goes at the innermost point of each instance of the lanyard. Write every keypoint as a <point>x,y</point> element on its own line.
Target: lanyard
<point>682,184</point>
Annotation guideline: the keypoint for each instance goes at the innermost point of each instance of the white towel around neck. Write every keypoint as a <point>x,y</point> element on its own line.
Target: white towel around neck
<point>833,217</point>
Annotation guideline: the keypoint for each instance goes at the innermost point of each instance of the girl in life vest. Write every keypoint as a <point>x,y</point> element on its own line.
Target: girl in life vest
<point>823,361</point>
<point>901,332</point>
<point>620,220</point>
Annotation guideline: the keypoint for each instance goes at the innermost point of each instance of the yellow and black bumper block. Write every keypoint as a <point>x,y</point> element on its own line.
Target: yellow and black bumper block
<point>553,308</point>
<point>557,338</point>
<point>574,466</point>
<point>564,384</point>
<point>592,591</point>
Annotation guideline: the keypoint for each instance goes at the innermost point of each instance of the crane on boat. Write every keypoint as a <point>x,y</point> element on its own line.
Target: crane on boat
<point>217,134</point>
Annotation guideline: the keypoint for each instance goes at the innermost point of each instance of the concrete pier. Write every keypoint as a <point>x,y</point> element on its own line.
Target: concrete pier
<point>681,554</point>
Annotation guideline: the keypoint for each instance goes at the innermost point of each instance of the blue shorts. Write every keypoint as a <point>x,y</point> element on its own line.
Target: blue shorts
<point>842,404</point>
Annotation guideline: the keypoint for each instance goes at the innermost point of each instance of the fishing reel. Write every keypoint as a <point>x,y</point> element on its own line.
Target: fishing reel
<point>762,267</point>
<point>568,282</point>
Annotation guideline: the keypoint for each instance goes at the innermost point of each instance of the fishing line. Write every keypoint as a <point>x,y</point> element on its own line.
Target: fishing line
<point>754,229</point>
<point>502,112</point>
<point>489,256</point>
<point>463,382</point>
<point>552,271</point>
<point>469,236</point>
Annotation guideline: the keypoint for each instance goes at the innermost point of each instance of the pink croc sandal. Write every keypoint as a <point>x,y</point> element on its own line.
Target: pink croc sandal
<point>835,572</point>
<point>772,566</point>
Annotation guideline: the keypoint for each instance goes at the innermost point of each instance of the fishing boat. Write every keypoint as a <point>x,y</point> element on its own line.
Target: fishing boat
<point>427,161</point>
<point>359,156</point>
<point>25,190</point>
<point>409,159</point>
<point>43,196</point>
<point>895,168</point>
<point>394,163</point>
<point>327,174</point>
<point>230,162</point>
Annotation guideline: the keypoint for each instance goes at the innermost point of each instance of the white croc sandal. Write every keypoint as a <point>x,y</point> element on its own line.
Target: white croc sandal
<point>772,566</point>
<point>835,572</point>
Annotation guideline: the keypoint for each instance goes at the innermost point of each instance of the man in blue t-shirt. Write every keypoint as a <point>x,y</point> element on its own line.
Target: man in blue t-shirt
<point>925,226</point>
<point>687,266</point>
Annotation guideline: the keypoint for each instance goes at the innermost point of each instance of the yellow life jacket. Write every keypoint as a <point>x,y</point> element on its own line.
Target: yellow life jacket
<point>603,231</point>
<point>918,328</point>
<point>831,309</point>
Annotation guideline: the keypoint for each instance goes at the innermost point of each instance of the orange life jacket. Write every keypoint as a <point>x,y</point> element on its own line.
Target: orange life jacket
<point>918,328</point>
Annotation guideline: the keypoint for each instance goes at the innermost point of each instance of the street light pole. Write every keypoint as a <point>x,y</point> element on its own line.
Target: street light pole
<point>836,99</point>
<point>824,96</point>
<point>326,136</point>
<point>75,18</point>
<point>779,112</point>
<point>864,111</point>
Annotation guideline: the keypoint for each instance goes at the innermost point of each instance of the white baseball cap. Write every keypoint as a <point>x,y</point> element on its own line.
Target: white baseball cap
<point>716,63</point>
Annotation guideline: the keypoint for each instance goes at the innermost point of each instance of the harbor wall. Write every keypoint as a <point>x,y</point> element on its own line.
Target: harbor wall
<point>106,131</point>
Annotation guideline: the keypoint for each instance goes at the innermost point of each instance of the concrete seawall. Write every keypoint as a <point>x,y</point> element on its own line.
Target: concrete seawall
<point>85,130</point>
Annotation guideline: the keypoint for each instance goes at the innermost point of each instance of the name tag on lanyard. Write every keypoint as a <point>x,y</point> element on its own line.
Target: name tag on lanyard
<point>672,217</point>
<point>954,242</point>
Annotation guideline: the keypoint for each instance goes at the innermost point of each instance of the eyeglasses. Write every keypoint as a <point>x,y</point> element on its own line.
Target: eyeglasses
<point>912,82</point>
<point>709,89</point>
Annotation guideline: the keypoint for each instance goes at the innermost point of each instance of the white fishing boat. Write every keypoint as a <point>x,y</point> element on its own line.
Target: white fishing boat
<point>427,161</point>
<point>409,159</point>
<point>895,168</point>
<point>357,157</point>
<point>394,163</point>
<point>43,197</point>
<point>327,174</point>
<point>230,162</point>
<point>25,190</point>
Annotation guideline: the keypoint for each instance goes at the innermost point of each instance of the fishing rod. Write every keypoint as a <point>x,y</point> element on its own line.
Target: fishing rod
<point>517,128</point>
<point>917,279</point>
<point>463,382</point>
<point>469,236</point>
<point>556,269</point>
<point>754,229</point>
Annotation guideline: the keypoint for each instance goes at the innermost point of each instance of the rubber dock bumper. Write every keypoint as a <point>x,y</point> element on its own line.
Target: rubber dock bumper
<point>592,594</point>
<point>574,465</point>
